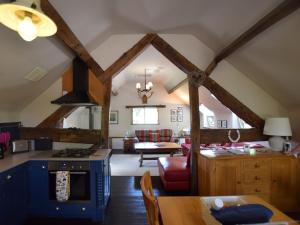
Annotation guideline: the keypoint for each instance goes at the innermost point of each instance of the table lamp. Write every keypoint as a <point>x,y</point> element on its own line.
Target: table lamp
<point>278,127</point>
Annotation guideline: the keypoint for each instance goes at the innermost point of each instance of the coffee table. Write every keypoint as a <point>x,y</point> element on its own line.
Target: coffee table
<point>155,148</point>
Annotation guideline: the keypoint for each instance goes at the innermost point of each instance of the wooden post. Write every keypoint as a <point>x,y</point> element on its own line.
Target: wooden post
<point>104,141</point>
<point>195,133</point>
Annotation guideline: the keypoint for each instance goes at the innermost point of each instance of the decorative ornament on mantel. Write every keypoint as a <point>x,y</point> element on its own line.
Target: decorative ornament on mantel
<point>146,92</point>
<point>27,18</point>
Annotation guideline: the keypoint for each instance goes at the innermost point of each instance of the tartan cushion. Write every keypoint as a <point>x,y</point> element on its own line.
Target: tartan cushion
<point>154,137</point>
<point>144,135</point>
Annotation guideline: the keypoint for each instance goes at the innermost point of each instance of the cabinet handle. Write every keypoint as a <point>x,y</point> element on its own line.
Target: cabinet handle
<point>8,177</point>
<point>43,167</point>
<point>83,209</point>
<point>57,208</point>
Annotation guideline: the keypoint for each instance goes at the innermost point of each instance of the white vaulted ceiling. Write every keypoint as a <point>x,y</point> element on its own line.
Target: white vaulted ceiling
<point>270,60</point>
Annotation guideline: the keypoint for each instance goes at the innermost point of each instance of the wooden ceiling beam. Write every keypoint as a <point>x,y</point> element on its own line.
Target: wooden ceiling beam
<point>281,11</point>
<point>174,56</point>
<point>128,57</point>
<point>65,34</point>
<point>227,99</point>
<point>54,119</point>
<point>220,93</point>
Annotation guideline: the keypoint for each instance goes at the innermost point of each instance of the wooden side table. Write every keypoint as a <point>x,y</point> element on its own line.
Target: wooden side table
<point>128,144</point>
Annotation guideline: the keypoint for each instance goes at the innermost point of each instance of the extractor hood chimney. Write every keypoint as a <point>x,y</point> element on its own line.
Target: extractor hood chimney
<point>79,95</point>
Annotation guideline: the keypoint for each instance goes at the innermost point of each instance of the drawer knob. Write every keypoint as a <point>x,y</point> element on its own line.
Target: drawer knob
<point>83,209</point>
<point>256,178</point>
<point>43,167</point>
<point>57,208</point>
<point>8,177</point>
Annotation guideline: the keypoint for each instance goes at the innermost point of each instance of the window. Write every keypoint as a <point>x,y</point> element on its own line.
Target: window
<point>145,116</point>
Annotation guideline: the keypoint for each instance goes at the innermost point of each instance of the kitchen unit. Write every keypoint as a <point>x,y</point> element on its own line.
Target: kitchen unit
<point>27,184</point>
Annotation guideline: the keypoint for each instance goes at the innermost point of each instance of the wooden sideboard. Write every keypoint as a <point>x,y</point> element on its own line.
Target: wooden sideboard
<point>275,177</point>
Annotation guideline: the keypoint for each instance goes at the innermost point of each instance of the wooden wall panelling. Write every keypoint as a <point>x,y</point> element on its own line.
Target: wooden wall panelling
<point>62,135</point>
<point>221,135</point>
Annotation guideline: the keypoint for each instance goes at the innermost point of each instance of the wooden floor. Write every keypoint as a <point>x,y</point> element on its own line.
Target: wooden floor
<point>126,204</point>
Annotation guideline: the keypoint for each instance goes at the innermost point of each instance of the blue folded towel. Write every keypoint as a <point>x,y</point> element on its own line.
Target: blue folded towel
<point>244,214</point>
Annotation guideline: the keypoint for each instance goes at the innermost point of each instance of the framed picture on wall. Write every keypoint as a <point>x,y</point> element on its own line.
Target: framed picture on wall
<point>114,117</point>
<point>224,123</point>
<point>179,110</point>
<point>219,124</point>
<point>173,118</point>
<point>211,121</point>
<point>173,112</point>
<point>179,118</point>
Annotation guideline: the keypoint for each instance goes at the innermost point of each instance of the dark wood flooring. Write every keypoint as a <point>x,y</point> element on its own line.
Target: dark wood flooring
<point>126,204</point>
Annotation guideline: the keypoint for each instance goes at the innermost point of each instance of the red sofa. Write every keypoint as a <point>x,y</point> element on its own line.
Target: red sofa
<point>175,172</point>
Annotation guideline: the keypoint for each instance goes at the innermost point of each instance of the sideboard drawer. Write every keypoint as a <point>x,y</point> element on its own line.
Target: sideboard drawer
<point>256,189</point>
<point>257,164</point>
<point>255,176</point>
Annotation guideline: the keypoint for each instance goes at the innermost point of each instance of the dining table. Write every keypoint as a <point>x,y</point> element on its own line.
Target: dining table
<point>195,210</point>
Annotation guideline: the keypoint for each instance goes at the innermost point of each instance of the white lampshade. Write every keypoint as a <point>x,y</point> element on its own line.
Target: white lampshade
<point>150,84</point>
<point>138,86</point>
<point>278,126</point>
<point>27,18</point>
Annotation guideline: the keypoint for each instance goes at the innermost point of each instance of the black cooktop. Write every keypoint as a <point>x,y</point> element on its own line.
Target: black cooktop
<point>74,153</point>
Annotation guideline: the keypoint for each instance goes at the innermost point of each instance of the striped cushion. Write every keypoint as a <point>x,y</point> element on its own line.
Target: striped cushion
<point>154,137</point>
<point>144,135</point>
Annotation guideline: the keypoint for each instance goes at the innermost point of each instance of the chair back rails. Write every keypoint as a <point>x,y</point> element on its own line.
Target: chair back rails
<point>149,200</point>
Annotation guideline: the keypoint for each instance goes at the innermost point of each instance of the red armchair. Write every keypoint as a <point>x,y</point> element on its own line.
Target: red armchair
<point>175,172</point>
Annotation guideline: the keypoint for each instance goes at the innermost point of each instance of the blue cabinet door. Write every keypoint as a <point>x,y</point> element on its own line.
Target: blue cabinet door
<point>14,196</point>
<point>38,186</point>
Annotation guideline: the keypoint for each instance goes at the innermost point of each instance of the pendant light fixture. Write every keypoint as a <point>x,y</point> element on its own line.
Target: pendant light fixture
<point>146,92</point>
<point>27,18</point>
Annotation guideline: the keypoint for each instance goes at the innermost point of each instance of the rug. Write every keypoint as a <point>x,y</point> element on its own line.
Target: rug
<point>129,165</point>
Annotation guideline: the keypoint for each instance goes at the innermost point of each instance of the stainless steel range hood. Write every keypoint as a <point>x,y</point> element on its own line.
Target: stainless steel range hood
<point>79,95</point>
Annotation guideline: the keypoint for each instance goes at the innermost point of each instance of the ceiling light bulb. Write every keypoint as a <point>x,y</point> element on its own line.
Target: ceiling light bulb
<point>150,84</point>
<point>138,85</point>
<point>27,30</point>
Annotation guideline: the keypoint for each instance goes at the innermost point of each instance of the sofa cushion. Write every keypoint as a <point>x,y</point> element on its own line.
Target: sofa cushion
<point>154,137</point>
<point>174,168</point>
<point>144,135</point>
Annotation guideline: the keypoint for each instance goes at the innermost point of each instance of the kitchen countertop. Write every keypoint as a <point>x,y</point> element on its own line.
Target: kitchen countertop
<point>13,160</point>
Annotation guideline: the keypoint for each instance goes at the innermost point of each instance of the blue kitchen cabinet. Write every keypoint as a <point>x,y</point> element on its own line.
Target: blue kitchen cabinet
<point>38,188</point>
<point>14,195</point>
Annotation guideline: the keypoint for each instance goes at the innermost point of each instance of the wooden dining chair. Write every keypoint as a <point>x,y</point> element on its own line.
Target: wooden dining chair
<point>149,199</point>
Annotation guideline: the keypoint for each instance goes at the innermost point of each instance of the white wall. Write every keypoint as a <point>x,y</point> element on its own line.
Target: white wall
<point>9,116</point>
<point>41,107</point>
<point>128,96</point>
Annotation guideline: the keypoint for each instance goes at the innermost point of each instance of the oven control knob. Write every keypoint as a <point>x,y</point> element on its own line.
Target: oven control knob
<point>57,208</point>
<point>80,167</point>
<point>65,164</point>
<point>83,209</point>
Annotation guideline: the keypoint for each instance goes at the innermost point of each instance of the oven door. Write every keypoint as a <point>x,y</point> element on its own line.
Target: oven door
<point>79,185</point>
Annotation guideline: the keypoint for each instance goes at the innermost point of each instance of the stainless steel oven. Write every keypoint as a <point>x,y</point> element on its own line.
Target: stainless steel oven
<point>79,179</point>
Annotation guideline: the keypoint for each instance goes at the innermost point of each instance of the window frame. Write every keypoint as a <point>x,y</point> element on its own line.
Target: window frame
<point>144,108</point>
